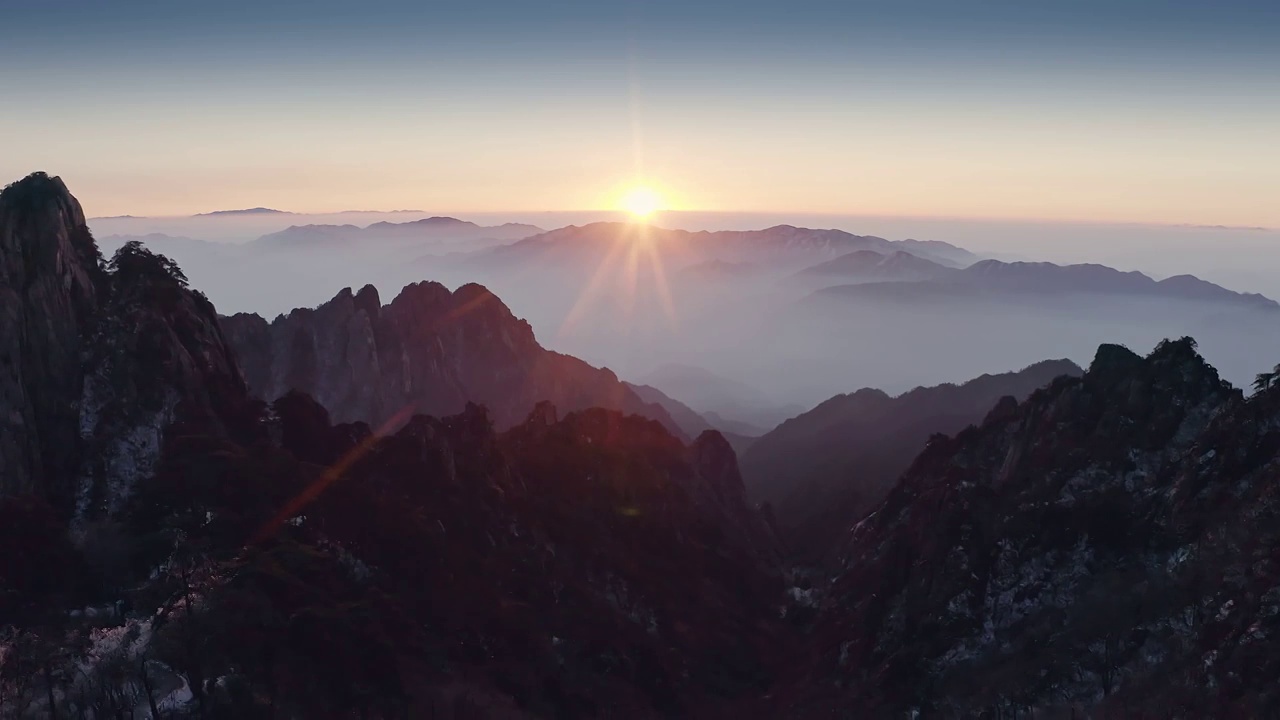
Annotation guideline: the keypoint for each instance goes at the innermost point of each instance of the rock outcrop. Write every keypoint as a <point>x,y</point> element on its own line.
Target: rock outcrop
<point>95,359</point>
<point>1105,548</point>
<point>826,468</point>
<point>428,351</point>
<point>50,279</point>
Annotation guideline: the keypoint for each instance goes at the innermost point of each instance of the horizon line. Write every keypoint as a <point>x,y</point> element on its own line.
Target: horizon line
<point>220,214</point>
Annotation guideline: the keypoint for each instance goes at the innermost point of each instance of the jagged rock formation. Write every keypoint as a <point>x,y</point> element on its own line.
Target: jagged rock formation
<point>1105,548</point>
<point>428,351</point>
<point>94,360</point>
<point>49,288</point>
<point>823,470</point>
<point>157,351</point>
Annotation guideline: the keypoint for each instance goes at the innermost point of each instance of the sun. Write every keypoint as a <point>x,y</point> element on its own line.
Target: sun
<point>641,202</point>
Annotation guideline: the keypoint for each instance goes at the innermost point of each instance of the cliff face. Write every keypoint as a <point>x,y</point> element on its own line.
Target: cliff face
<point>157,353</point>
<point>429,351</point>
<point>49,275</point>
<point>1105,546</point>
<point>95,361</point>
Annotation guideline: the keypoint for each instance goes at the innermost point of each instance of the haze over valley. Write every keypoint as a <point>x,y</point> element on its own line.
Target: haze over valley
<point>695,359</point>
<point>636,298</point>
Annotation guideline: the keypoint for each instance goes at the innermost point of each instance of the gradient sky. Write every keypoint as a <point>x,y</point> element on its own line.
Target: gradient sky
<point>1132,110</point>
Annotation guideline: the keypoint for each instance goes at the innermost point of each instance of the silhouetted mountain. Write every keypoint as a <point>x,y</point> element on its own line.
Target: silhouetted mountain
<point>871,265</point>
<point>97,359</point>
<point>725,424</point>
<point>1100,549</point>
<point>825,469</point>
<point>740,436</point>
<point>428,351</point>
<point>691,423</point>
<point>940,252</point>
<point>247,211</point>
<point>995,279</point>
<point>229,560</point>
<point>427,230</point>
<point>172,547</point>
<point>777,248</point>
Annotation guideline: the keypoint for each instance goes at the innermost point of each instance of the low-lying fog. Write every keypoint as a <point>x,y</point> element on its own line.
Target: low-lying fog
<point>758,325</point>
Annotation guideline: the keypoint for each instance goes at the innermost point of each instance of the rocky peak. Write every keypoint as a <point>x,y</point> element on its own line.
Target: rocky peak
<point>95,361</point>
<point>49,288</point>
<point>428,351</point>
<point>1098,518</point>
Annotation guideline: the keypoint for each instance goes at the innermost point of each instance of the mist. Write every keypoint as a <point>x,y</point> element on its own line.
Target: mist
<point>771,344</point>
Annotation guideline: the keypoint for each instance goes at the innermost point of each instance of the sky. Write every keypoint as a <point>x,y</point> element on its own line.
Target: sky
<point>1122,111</point>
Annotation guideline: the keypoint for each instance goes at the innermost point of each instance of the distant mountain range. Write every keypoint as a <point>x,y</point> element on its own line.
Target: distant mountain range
<point>778,247</point>
<point>247,211</point>
<point>869,265</point>
<point>430,230</point>
<point>904,277</point>
<point>739,435</point>
<point>177,541</point>
<point>823,470</point>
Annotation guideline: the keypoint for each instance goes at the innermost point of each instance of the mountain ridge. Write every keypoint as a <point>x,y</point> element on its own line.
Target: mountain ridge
<point>829,466</point>
<point>429,349</point>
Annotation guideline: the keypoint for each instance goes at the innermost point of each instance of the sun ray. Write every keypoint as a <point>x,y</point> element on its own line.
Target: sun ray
<point>631,277</point>
<point>660,283</point>
<point>588,293</point>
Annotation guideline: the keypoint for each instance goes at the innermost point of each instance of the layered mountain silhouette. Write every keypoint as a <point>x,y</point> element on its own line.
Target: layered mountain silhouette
<point>911,279</point>
<point>869,265</point>
<point>172,545</point>
<point>428,230</point>
<point>97,358</point>
<point>776,247</point>
<point>430,350</point>
<point>1101,549</point>
<point>825,469</point>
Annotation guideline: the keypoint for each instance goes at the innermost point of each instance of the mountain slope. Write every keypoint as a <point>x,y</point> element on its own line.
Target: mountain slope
<point>95,362</point>
<point>824,469</point>
<point>428,351</point>
<point>778,248</point>
<point>1104,548</point>
<point>872,265</point>
<point>234,560</point>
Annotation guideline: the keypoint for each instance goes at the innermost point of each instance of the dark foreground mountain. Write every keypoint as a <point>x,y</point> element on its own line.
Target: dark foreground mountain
<point>825,469</point>
<point>245,561</point>
<point>428,351</point>
<point>95,360</point>
<point>1104,549</point>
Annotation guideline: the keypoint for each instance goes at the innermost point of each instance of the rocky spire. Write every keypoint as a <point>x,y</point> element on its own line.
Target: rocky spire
<point>50,280</point>
<point>95,360</point>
